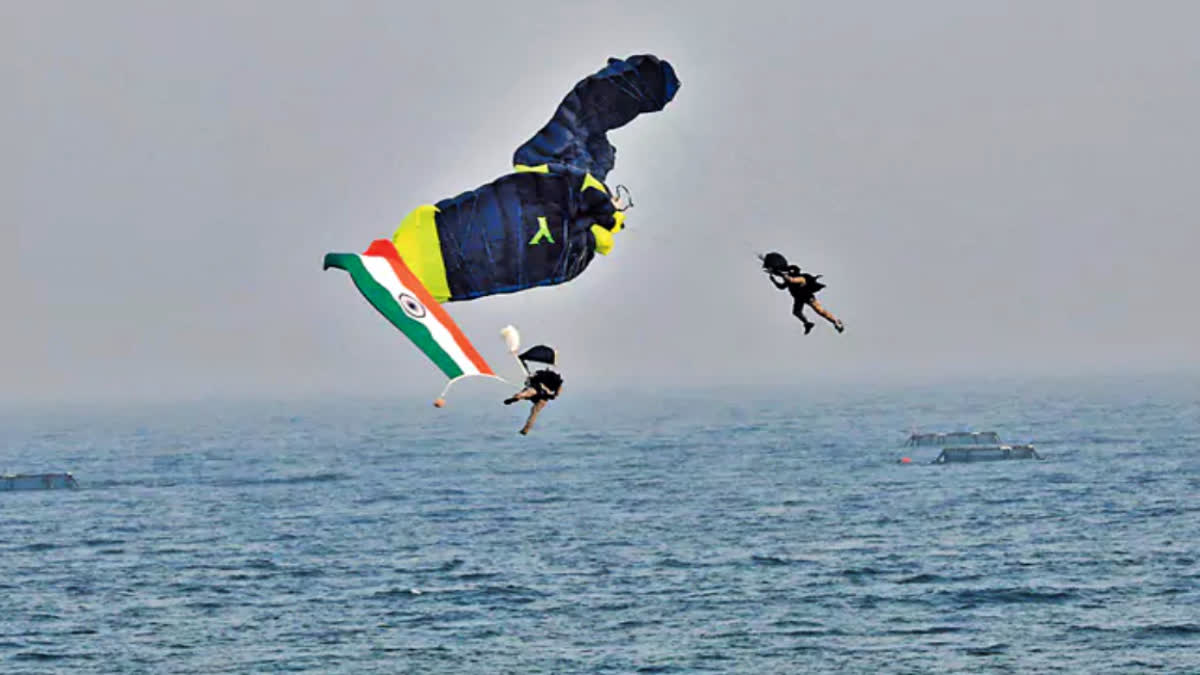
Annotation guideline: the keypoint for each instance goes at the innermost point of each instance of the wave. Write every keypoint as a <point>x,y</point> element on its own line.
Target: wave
<point>46,656</point>
<point>990,650</point>
<point>1010,596</point>
<point>923,579</point>
<point>1168,630</point>
<point>776,561</point>
<point>227,482</point>
<point>283,480</point>
<point>932,630</point>
<point>447,566</point>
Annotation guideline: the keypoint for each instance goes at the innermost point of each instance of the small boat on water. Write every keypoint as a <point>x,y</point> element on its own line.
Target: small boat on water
<point>37,481</point>
<point>967,446</point>
<point>986,453</point>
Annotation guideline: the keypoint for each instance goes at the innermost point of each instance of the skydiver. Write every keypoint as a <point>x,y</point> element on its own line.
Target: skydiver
<point>802,286</point>
<point>541,387</point>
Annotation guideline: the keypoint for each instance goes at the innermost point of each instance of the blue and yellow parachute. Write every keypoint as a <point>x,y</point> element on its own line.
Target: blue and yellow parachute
<point>540,225</point>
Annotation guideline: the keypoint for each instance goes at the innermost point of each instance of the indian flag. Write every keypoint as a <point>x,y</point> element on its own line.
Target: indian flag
<point>391,287</point>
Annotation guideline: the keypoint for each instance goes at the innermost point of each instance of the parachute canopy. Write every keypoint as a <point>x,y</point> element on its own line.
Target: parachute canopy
<point>577,134</point>
<point>543,224</point>
<point>539,354</point>
<point>774,262</point>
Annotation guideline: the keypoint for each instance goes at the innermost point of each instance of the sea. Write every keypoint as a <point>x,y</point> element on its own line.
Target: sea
<point>722,530</point>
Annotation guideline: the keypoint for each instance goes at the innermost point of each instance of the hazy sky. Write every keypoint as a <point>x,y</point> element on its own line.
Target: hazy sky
<point>989,187</point>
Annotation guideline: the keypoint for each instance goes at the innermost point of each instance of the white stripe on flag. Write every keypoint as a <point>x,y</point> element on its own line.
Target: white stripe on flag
<point>381,270</point>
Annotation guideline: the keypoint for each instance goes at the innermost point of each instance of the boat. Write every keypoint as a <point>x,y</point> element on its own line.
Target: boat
<point>37,481</point>
<point>953,438</point>
<point>986,453</point>
<point>966,446</point>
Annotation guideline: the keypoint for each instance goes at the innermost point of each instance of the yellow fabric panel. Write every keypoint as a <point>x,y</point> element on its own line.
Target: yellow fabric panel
<point>417,242</point>
<point>540,168</point>
<point>604,239</point>
<point>589,181</point>
<point>604,236</point>
<point>619,221</point>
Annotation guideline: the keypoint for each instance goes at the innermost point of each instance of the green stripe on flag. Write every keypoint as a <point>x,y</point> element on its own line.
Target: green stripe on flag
<point>381,299</point>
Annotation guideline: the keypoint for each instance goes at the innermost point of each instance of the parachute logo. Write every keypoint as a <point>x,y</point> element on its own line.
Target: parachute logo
<point>542,233</point>
<point>411,306</point>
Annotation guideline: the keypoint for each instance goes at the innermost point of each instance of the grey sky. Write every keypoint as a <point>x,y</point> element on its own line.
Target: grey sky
<point>988,187</point>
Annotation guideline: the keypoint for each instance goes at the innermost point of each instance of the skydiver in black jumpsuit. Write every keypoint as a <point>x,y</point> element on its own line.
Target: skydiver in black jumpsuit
<point>802,286</point>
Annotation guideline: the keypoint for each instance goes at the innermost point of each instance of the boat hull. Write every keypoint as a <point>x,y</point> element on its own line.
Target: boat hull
<point>986,453</point>
<point>37,481</point>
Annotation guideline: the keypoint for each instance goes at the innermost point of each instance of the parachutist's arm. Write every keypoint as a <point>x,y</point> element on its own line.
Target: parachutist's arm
<point>778,283</point>
<point>799,281</point>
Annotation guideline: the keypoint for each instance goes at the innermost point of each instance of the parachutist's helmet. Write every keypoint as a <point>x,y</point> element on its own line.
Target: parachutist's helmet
<point>774,262</point>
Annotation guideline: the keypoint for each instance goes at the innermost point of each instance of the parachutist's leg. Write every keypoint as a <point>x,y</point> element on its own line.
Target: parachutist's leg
<point>537,408</point>
<point>837,324</point>
<point>798,311</point>
<point>524,394</point>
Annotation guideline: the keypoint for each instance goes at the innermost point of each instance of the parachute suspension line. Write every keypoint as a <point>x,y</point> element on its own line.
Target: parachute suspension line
<point>449,384</point>
<point>521,363</point>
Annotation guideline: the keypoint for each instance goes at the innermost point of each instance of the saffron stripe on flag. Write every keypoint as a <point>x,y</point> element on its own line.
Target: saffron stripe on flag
<point>385,249</point>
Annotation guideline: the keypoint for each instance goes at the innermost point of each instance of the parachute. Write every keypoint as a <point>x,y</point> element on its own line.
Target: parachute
<point>543,224</point>
<point>576,136</point>
<point>539,354</point>
<point>774,262</point>
<point>535,354</point>
<point>538,226</point>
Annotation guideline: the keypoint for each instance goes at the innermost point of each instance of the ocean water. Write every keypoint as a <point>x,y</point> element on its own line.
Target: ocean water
<point>702,532</point>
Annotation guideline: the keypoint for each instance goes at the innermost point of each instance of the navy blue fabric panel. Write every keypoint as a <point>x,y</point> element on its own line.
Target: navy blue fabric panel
<point>492,240</point>
<point>576,135</point>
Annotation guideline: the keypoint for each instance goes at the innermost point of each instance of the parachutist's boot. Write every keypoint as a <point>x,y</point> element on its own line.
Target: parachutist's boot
<point>510,401</point>
<point>839,326</point>
<point>808,326</point>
